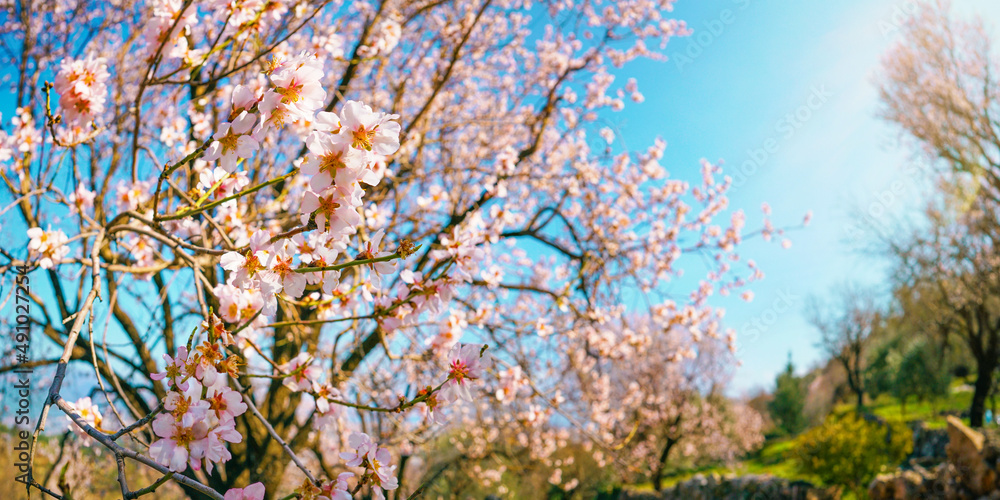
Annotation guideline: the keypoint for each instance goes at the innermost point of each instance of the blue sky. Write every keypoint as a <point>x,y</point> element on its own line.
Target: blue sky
<point>728,91</point>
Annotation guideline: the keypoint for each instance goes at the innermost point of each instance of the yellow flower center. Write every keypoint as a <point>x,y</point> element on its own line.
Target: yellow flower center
<point>363,139</point>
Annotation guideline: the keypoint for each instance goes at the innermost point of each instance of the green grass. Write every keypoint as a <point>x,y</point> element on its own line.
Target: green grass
<point>774,458</point>
<point>777,455</point>
<point>892,410</point>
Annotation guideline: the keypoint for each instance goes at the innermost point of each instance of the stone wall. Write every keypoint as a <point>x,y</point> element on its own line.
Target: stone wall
<point>972,471</point>
<point>749,487</point>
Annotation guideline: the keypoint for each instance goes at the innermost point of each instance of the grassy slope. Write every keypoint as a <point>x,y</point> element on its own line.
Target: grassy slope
<point>776,457</point>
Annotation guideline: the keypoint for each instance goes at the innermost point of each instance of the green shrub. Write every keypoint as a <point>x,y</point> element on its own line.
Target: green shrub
<point>789,400</point>
<point>849,451</point>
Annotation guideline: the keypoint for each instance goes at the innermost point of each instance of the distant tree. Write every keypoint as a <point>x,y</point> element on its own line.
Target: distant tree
<point>952,273</point>
<point>789,400</point>
<point>939,86</point>
<point>760,402</point>
<point>881,372</point>
<point>908,361</point>
<point>918,375</point>
<point>669,405</point>
<point>845,329</point>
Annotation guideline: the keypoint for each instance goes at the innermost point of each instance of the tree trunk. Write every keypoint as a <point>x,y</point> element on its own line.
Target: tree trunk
<point>984,383</point>
<point>399,476</point>
<point>662,464</point>
<point>854,381</point>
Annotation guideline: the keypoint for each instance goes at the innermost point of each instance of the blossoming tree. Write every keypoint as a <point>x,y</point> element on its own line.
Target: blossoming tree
<point>290,239</point>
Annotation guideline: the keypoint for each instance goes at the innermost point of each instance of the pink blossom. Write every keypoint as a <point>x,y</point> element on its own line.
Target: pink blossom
<point>464,364</point>
<point>368,454</point>
<point>220,182</point>
<point>384,477</point>
<point>50,247</point>
<point>324,394</point>
<point>212,448</point>
<point>188,402</point>
<point>130,196</point>
<point>89,413</point>
<point>249,269</point>
<point>232,142</point>
<point>297,81</point>
<point>225,402</point>
<point>81,199</point>
<point>339,489</point>
<point>371,251</point>
<point>168,26</point>
<point>511,382</point>
<point>281,264</point>
<point>175,372</point>
<point>361,443</point>
<point>173,450</point>
<point>331,160</point>
<point>237,304</point>
<point>367,130</point>
<point>335,209</point>
<point>387,35</point>
<point>244,98</point>
<point>302,372</point>
<point>81,87</point>
<point>253,492</point>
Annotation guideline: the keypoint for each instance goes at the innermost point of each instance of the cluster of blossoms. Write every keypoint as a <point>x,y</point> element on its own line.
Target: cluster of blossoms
<point>512,382</point>
<point>22,140</point>
<point>304,376</point>
<point>374,460</point>
<point>344,149</point>
<point>200,408</point>
<point>81,200</point>
<point>386,37</point>
<point>466,365</point>
<point>167,30</point>
<point>417,294</point>
<point>81,87</point>
<point>49,247</point>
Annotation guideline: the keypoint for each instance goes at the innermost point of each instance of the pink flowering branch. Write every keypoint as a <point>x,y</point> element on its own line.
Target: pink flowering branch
<point>274,435</point>
<point>399,254</point>
<point>119,451</point>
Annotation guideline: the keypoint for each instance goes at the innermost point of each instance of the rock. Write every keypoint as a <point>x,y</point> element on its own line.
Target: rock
<point>970,473</point>
<point>965,452</point>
